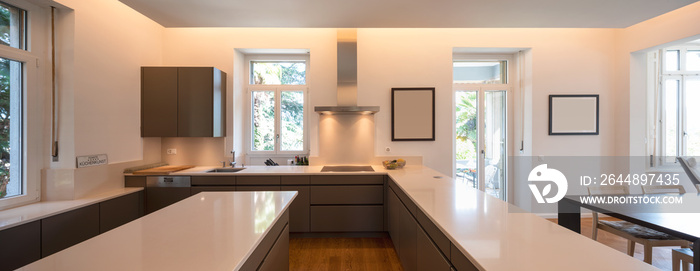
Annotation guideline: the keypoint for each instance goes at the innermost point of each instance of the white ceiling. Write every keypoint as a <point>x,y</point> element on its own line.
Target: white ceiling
<point>403,13</point>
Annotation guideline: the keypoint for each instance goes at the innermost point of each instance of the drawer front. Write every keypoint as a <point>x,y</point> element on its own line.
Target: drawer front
<point>135,181</point>
<point>21,245</point>
<point>119,211</point>
<point>294,180</point>
<point>347,179</point>
<point>434,232</point>
<point>258,180</point>
<point>196,189</point>
<point>213,180</point>
<point>347,194</point>
<point>258,188</point>
<point>347,218</point>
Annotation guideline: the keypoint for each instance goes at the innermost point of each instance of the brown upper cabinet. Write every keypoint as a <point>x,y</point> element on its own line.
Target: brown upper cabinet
<point>183,102</point>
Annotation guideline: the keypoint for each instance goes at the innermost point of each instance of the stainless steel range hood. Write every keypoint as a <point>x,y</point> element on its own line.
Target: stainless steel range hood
<point>347,78</point>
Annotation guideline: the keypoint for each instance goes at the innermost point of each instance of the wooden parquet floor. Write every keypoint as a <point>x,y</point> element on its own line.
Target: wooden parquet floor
<point>346,254</point>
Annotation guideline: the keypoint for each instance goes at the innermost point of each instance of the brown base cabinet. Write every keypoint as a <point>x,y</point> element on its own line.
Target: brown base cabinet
<point>21,245</point>
<point>64,230</point>
<point>420,245</point>
<point>272,253</point>
<point>408,229</point>
<point>299,209</point>
<point>428,256</point>
<point>368,218</point>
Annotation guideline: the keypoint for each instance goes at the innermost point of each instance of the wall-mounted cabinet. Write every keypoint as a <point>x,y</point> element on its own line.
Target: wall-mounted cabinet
<point>183,102</point>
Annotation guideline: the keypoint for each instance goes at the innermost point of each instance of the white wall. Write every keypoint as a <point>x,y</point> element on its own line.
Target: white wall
<point>102,45</point>
<point>564,61</point>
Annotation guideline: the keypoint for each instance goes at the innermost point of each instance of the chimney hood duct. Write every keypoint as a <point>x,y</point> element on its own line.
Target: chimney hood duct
<point>347,78</point>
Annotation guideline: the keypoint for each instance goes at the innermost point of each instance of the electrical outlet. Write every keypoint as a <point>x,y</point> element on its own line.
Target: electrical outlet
<point>387,149</point>
<point>172,151</point>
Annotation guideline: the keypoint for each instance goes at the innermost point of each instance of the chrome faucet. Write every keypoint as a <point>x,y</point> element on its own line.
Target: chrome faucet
<point>233,159</point>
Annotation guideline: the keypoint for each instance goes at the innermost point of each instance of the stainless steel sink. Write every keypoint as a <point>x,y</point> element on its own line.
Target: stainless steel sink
<point>347,169</point>
<point>227,169</point>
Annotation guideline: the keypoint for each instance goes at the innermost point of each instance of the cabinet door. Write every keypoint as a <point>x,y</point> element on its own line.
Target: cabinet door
<point>213,180</point>
<point>64,230</point>
<point>278,257</point>
<point>258,180</point>
<point>195,100</point>
<point>429,257</point>
<point>407,242</point>
<point>346,179</point>
<point>159,197</point>
<point>119,211</point>
<point>159,101</point>
<point>21,245</point>
<point>347,194</point>
<point>258,188</point>
<point>338,218</point>
<point>299,209</point>
<point>394,209</point>
<point>460,261</point>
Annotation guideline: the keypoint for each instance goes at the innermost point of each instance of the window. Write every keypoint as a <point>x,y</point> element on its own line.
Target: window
<point>19,84</point>
<point>678,126</point>
<point>277,104</point>
<point>13,23</point>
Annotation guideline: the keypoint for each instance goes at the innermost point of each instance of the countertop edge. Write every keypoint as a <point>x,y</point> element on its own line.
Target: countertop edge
<point>267,231</point>
<point>40,208</point>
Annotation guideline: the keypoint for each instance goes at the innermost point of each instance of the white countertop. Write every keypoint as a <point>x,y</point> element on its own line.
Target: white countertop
<point>208,231</point>
<point>35,211</point>
<point>494,238</point>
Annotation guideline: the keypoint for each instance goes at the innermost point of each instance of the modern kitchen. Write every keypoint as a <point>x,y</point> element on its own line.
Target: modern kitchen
<point>270,135</point>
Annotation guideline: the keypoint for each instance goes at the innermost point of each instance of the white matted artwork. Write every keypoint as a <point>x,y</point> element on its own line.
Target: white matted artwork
<point>573,114</point>
<point>413,114</point>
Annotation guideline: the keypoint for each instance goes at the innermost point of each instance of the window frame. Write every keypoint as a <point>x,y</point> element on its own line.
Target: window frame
<point>278,89</point>
<point>682,75</point>
<point>32,136</point>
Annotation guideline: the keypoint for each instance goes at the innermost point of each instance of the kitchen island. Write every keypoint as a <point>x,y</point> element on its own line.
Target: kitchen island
<point>209,231</point>
<point>437,220</point>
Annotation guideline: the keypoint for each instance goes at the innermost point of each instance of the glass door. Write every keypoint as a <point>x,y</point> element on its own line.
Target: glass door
<point>467,137</point>
<point>495,143</point>
<point>480,139</point>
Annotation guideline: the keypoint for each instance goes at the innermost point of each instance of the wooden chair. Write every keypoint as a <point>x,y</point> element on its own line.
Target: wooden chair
<point>663,189</point>
<point>632,232</point>
<point>682,256</point>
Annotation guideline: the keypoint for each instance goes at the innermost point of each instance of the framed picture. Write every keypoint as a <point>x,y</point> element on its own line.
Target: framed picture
<point>413,114</point>
<point>573,114</point>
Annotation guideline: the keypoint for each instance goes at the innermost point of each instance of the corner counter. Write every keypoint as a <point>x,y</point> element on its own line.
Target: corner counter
<point>210,231</point>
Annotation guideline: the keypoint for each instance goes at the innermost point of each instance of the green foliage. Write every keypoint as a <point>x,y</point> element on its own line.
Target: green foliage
<point>279,73</point>
<point>466,111</point>
<point>264,120</point>
<point>291,106</point>
<point>292,120</point>
<point>5,16</point>
<point>4,104</point>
